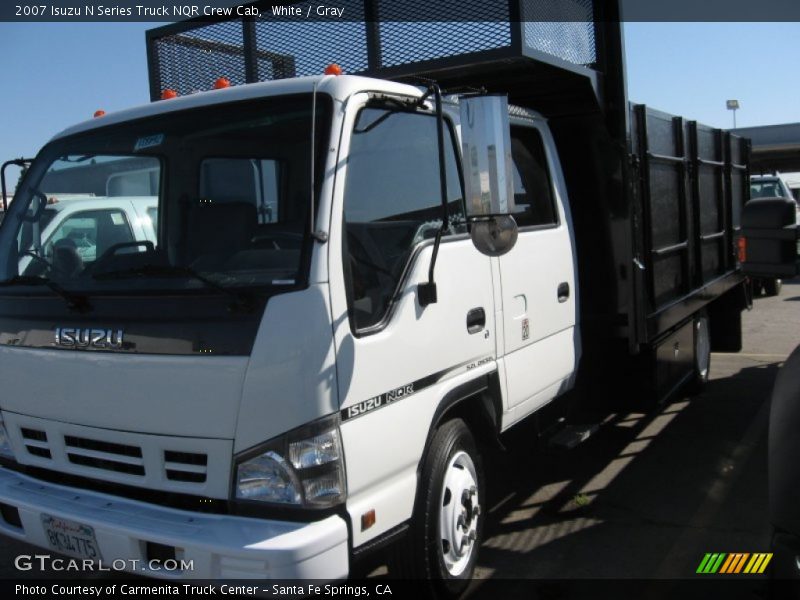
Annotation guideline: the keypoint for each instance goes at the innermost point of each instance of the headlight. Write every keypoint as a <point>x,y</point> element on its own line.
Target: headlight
<point>5,446</point>
<point>304,467</point>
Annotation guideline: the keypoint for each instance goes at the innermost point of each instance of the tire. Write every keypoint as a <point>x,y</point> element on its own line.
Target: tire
<point>446,529</point>
<point>772,287</point>
<point>702,351</point>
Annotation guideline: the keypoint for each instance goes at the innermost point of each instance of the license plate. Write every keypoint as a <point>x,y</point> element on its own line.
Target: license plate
<point>71,538</point>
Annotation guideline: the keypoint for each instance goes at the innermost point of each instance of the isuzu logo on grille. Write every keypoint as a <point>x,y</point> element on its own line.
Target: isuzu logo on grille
<point>79,337</point>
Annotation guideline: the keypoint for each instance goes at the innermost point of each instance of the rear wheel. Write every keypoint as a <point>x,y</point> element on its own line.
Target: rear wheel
<point>772,287</point>
<point>447,525</point>
<point>702,350</point>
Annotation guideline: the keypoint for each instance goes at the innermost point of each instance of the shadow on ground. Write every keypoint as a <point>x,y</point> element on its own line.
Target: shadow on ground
<point>644,498</point>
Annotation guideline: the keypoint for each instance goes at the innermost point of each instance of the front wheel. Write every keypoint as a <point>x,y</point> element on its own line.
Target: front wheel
<point>447,526</point>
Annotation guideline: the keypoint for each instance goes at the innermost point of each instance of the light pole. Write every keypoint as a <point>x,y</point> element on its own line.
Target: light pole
<point>734,106</point>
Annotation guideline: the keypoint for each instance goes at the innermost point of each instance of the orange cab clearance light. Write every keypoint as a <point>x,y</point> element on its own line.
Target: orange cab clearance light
<point>333,69</point>
<point>222,82</point>
<point>169,94</point>
<point>99,113</point>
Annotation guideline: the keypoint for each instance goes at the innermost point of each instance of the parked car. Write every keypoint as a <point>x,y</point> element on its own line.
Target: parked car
<point>769,186</point>
<point>78,230</point>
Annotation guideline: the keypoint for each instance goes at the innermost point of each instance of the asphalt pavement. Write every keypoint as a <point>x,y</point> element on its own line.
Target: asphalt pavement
<point>648,495</point>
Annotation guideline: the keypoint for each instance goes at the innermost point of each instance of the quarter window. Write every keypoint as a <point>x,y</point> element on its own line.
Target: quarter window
<point>392,204</point>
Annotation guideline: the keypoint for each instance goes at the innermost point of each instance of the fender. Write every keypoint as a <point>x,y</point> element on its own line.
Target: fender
<point>488,388</point>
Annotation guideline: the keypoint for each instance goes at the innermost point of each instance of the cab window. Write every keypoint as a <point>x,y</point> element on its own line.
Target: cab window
<point>533,188</point>
<point>392,204</point>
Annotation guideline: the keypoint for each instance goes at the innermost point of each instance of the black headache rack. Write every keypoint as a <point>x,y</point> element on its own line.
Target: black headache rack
<point>655,199</point>
<point>498,40</point>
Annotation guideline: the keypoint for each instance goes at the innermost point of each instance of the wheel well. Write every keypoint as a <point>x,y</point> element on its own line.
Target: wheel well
<point>479,417</point>
<point>478,403</point>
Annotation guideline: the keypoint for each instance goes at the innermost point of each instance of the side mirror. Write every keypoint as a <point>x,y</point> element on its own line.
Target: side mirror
<point>768,242</point>
<point>488,173</point>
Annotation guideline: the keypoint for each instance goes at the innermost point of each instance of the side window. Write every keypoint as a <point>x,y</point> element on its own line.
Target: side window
<point>89,234</point>
<point>533,189</point>
<point>392,203</point>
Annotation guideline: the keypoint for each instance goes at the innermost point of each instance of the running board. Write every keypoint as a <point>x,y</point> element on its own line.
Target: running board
<point>572,435</point>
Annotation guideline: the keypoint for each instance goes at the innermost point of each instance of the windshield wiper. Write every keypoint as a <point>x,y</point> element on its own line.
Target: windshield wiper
<point>76,302</point>
<point>241,301</point>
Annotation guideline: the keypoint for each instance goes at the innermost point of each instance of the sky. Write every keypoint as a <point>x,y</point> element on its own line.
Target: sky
<point>57,74</point>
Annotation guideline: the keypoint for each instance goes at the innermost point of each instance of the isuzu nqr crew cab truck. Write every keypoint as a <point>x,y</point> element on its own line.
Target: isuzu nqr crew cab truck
<point>354,284</point>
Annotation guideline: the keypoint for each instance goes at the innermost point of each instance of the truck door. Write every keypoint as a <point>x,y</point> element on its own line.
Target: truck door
<point>396,360</point>
<point>538,280</point>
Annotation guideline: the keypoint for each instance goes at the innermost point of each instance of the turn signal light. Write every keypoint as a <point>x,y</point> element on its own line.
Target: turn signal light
<point>368,519</point>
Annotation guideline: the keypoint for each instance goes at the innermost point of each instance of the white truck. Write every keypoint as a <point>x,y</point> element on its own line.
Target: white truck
<point>304,363</point>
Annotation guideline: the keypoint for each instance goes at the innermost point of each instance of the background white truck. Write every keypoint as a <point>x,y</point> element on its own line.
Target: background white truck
<point>303,365</point>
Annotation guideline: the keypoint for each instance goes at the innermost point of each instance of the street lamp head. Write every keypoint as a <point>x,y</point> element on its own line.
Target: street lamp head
<point>732,104</point>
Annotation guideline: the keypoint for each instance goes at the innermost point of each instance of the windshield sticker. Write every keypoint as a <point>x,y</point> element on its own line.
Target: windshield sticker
<point>148,141</point>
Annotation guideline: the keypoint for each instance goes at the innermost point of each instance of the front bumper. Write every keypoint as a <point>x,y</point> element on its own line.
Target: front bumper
<point>218,546</point>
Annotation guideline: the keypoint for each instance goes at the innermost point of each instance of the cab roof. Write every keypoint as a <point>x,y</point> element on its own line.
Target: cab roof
<point>338,87</point>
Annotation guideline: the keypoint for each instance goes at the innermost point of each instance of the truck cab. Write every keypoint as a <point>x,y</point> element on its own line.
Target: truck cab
<point>256,341</point>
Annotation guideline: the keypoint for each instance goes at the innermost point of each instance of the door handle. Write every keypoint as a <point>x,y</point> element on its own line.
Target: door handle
<point>563,291</point>
<point>476,320</point>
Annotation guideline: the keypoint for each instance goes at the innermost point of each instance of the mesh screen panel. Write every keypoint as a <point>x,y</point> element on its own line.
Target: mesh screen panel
<point>313,45</point>
<point>405,42</point>
<point>192,61</point>
<point>561,28</point>
<point>377,33</point>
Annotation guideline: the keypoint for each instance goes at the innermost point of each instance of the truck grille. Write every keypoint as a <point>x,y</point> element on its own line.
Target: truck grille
<point>104,455</point>
<point>185,466</point>
<point>157,461</point>
<point>36,442</point>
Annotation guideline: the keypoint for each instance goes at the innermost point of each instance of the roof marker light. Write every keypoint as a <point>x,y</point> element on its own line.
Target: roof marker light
<point>222,82</point>
<point>169,94</point>
<point>99,113</point>
<point>333,69</point>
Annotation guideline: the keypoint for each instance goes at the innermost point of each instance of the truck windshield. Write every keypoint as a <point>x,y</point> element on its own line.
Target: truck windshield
<point>204,198</point>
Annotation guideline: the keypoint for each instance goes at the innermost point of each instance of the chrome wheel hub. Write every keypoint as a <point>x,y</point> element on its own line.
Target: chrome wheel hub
<point>459,513</point>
